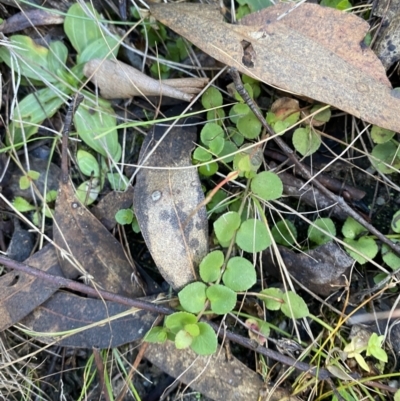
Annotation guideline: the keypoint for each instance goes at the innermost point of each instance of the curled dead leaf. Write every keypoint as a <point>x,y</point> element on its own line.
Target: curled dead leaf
<point>119,80</point>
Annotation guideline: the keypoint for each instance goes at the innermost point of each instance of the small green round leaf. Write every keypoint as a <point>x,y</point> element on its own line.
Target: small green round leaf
<point>183,339</point>
<point>317,236</point>
<point>222,299</point>
<point>273,299</point>
<point>240,274</point>
<point>284,233</point>
<point>381,135</point>
<point>294,306</point>
<point>87,163</point>
<point>124,216</point>
<point>212,97</point>
<point>193,297</point>
<point>202,155</point>
<point>249,126</point>
<point>210,266</point>
<point>229,148</point>
<point>156,335</point>
<point>396,222</point>
<point>365,245</point>
<point>217,205</point>
<point>88,191</point>
<point>385,157</point>
<point>177,321</point>
<point>216,115</point>
<point>306,141</point>
<point>206,342</point>
<point>253,236</point>
<point>237,111</point>
<point>192,329</point>
<point>323,116</point>
<point>208,169</point>
<point>267,185</point>
<point>212,135</point>
<point>390,258</point>
<point>352,229</point>
<point>226,225</point>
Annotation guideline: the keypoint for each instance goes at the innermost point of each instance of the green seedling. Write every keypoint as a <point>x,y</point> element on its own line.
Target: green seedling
<point>371,346</point>
<point>126,216</point>
<point>26,180</point>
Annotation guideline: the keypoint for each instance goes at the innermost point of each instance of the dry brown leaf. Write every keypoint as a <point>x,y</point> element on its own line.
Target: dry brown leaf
<point>336,70</point>
<point>323,270</point>
<point>214,376</point>
<point>163,201</point>
<point>21,293</point>
<point>119,80</point>
<point>96,251</point>
<point>64,312</point>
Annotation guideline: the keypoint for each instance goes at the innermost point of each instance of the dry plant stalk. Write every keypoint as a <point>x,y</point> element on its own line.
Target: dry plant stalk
<point>119,80</point>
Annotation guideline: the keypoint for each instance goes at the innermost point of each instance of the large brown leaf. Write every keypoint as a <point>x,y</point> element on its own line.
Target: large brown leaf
<point>214,376</point>
<point>95,251</point>
<point>164,200</point>
<point>335,70</point>
<point>65,312</point>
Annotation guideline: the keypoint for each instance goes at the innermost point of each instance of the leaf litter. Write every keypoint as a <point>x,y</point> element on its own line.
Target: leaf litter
<point>289,54</point>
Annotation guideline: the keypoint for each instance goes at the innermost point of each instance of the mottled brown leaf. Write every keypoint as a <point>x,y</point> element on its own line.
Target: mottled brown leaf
<point>163,201</point>
<point>290,57</point>
<point>21,293</point>
<point>65,311</point>
<point>95,251</point>
<point>214,376</point>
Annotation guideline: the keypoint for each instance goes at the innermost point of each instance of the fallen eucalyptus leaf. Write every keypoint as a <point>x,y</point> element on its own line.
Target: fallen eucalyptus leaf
<point>322,270</point>
<point>163,201</point>
<point>68,312</point>
<point>119,80</point>
<point>95,251</point>
<point>214,376</point>
<point>21,293</point>
<point>312,51</point>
